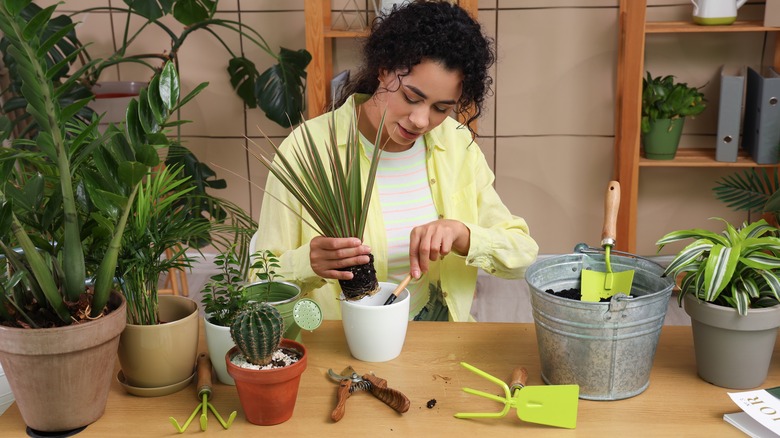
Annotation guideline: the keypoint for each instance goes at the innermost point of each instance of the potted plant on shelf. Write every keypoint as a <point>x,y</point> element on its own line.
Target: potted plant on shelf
<point>730,289</point>
<point>65,191</point>
<point>267,368</point>
<point>665,104</point>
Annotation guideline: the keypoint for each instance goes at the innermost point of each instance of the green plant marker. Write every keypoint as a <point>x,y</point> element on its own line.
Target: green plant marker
<point>307,314</point>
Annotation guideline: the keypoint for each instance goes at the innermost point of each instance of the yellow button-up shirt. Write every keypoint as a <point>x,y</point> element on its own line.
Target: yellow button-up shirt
<point>462,189</point>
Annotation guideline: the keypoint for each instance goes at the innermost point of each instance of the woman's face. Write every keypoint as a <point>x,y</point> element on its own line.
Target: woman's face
<point>416,103</point>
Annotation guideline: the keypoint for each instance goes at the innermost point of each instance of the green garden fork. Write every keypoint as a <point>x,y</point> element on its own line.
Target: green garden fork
<point>204,391</point>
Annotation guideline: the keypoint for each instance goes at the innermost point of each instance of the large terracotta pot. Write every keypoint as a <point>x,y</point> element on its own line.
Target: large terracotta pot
<point>61,376</point>
<point>268,396</point>
<point>162,355</point>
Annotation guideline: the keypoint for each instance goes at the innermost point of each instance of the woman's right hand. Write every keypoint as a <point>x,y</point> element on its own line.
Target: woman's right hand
<point>329,254</point>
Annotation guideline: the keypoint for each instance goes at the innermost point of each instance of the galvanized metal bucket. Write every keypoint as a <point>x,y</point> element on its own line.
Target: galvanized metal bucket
<point>605,348</point>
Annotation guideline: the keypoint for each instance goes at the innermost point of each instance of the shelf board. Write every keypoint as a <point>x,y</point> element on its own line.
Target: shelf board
<point>330,33</point>
<point>690,27</point>
<point>701,157</point>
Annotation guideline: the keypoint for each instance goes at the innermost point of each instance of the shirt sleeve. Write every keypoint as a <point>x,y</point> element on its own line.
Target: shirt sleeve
<point>500,242</point>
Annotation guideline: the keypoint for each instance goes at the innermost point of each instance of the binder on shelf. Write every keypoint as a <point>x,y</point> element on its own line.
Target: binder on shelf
<point>772,13</point>
<point>732,92</point>
<point>761,132</point>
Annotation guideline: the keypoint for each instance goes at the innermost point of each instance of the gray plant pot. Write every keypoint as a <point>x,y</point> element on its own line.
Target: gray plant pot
<point>732,351</point>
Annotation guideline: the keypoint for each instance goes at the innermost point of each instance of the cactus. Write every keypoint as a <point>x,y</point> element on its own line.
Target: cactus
<point>257,331</point>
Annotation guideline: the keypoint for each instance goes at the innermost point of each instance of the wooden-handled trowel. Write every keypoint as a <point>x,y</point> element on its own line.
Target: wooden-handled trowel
<point>597,285</point>
<point>553,405</point>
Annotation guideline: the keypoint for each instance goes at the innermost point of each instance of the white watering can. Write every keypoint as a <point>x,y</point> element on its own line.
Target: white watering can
<point>715,12</point>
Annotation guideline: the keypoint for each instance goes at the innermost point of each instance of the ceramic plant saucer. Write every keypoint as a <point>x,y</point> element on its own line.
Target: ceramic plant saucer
<point>153,392</point>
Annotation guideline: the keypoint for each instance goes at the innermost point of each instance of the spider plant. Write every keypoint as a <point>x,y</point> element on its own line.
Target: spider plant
<point>737,268</point>
<point>69,189</point>
<point>330,189</point>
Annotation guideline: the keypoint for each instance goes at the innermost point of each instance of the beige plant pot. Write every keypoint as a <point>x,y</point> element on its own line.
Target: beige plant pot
<point>163,355</point>
<point>61,376</point>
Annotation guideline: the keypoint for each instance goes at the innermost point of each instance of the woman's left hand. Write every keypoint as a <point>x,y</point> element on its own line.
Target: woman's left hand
<point>434,240</point>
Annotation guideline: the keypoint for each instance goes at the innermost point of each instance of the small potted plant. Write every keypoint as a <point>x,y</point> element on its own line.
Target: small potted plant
<point>223,298</point>
<point>267,368</point>
<point>731,291</point>
<point>665,104</point>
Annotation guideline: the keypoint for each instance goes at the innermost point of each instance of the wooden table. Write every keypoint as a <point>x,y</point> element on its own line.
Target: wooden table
<point>677,403</point>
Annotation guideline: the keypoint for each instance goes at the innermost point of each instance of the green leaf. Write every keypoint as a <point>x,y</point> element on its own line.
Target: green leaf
<point>150,9</point>
<point>145,115</point>
<point>189,12</point>
<point>279,90</point>
<point>243,75</point>
<point>38,22</point>
<point>719,268</point>
<point>15,6</point>
<point>132,173</point>
<point>169,86</point>
<point>133,126</point>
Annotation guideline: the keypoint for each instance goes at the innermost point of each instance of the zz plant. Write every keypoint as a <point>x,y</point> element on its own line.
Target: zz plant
<point>68,190</point>
<point>737,268</point>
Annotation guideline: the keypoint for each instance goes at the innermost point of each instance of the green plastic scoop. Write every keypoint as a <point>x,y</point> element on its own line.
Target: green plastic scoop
<point>597,285</point>
<point>553,405</point>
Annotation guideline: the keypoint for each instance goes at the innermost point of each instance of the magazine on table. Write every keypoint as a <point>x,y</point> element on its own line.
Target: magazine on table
<point>760,416</point>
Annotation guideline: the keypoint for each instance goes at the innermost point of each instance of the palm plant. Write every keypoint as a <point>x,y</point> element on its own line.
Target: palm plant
<point>755,190</point>
<point>330,189</point>
<point>736,268</point>
<point>156,224</point>
<point>69,187</point>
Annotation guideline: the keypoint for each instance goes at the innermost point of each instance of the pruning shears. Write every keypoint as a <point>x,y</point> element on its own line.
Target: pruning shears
<point>350,381</point>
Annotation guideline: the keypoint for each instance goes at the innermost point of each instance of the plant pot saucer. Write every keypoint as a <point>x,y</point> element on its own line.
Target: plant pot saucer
<point>153,392</point>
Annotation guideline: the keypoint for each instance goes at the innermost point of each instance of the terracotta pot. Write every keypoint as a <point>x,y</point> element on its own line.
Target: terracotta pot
<point>268,396</point>
<point>162,355</point>
<point>732,351</point>
<point>61,376</point>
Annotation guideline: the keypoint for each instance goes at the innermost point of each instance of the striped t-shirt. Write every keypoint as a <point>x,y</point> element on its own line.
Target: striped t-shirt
<point>406,201</point>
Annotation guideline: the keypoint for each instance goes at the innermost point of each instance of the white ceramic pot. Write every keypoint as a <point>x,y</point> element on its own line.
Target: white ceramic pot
<point>219,341</point>
<point>375,332</point>
<point>6,396</point>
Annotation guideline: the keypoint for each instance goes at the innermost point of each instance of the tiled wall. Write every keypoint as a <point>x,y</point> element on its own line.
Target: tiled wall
<point>549,128</point>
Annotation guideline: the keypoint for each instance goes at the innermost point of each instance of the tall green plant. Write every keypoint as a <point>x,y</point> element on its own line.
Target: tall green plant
<point>156,225</point>
<point>754,190</point>
<point>736,268</point>
<point>72,186</point>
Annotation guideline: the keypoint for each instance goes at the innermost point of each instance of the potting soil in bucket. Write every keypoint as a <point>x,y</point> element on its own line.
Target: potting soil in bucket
<point>605,348</point>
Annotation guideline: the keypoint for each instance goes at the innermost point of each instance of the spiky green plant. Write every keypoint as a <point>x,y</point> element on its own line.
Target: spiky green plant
<point>329,187</point>
<point>736,268</point>
<point>257,332</point>
<point>69,187</point>
<point>156,224</point>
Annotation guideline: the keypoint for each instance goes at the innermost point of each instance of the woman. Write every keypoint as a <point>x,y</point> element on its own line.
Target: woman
<point>434,213</point>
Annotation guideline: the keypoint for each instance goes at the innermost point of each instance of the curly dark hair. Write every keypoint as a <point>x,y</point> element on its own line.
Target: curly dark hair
<point>428,30</point>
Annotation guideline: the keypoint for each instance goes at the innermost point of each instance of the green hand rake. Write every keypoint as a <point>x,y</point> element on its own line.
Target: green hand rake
<point>204,391</point>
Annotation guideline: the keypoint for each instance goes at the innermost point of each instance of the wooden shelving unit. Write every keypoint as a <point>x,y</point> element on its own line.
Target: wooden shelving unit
<point>319,42</point>
<point>633,28</point>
